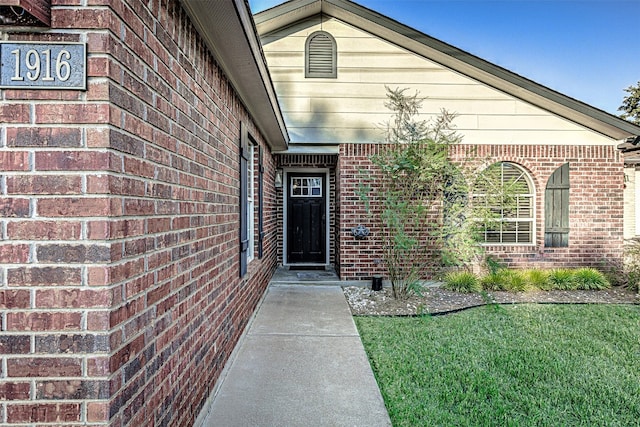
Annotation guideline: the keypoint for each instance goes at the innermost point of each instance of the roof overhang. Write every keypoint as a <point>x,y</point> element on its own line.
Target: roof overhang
<point>630,145</point>
<point>228,29</point>
<point>306,148</point>
<point>451,57</point>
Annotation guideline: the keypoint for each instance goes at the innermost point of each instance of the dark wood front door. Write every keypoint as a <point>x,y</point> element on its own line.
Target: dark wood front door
<point>306,218</point>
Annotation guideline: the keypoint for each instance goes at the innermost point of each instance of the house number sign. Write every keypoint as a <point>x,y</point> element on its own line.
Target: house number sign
<point>32,65</point>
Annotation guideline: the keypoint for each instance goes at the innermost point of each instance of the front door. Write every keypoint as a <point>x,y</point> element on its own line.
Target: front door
<point>306,218</point>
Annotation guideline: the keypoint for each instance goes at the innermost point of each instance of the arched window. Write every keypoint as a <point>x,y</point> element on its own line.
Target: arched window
<point>505,192</point>
<point>556,209</point>
<point>321,56</point>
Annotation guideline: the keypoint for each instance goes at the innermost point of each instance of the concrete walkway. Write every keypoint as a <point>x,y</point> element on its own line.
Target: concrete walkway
<point>300,363</point>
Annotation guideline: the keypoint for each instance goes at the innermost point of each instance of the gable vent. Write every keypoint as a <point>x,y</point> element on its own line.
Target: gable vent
<point>321,55</point>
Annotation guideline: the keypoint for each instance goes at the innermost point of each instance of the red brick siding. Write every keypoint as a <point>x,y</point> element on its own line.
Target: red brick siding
<point>596,206</point>
<point>119,272</point>
<point>359,259</point>
<point>50,316</point>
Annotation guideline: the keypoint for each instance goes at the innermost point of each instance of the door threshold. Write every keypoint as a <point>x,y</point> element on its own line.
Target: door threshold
<point>296,267</point>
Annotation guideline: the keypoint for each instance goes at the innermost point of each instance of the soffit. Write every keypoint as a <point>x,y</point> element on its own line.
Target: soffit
<point>311,149</point>
<point>228,29</point>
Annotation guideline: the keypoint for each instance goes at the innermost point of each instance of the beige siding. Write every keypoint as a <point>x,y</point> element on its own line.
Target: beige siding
<point>635,208</point>
<point>630,190</point>
<point>351,107</point>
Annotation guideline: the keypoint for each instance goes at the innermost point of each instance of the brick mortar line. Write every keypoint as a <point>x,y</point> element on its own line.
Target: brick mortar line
<point>69,378</point>
<point>31,151</point>
<point>58,125</point>
<point>34,102</point>
<point>75,242</point>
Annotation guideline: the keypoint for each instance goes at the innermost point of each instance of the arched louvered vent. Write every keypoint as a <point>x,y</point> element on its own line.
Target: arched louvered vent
<point>321,55</point>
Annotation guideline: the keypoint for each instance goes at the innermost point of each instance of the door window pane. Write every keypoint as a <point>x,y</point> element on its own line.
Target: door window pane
<point>306,187</point>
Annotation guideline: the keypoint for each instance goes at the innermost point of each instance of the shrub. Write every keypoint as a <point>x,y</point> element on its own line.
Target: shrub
<point>505,280</point>
<point>632,264</point>
<point>562,279</point>
<point>590,279</point>
<point>618,278</point>
<point>462,281</point>
<point>513,280</point>
<point>634,281</point>
<point>537,279</point>
<point>493,281</point>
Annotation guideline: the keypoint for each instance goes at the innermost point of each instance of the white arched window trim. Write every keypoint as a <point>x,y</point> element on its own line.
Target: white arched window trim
<point>513,225</point>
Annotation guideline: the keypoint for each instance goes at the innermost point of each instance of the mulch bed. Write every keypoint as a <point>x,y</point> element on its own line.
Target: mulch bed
<point>434,300</point>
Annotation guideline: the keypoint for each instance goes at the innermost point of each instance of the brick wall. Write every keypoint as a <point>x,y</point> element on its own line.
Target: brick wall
<point>359,259</point>
<point>596,206</point>
<point>119,275</point>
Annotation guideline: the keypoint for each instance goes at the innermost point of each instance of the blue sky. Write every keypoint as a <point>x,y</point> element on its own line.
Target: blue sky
<point>586,49</point>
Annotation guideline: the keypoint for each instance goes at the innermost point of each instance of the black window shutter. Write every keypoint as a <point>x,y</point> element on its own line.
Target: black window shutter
<point>260,202</point>
<point>244,162</point>
<point>556,208</point>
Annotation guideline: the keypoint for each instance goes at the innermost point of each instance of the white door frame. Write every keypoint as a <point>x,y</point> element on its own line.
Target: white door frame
<point>285,200</point>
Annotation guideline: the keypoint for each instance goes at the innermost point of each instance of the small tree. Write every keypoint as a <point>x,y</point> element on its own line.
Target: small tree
<point>631,104</point>
<point>421,196</point>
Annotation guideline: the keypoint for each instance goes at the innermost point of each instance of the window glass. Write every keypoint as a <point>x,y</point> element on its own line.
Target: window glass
<point>306,187</point>
<point>504,190</point>
<point>251,202</point>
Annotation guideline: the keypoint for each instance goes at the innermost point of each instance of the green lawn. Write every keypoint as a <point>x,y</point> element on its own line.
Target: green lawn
<point>518,365</point>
